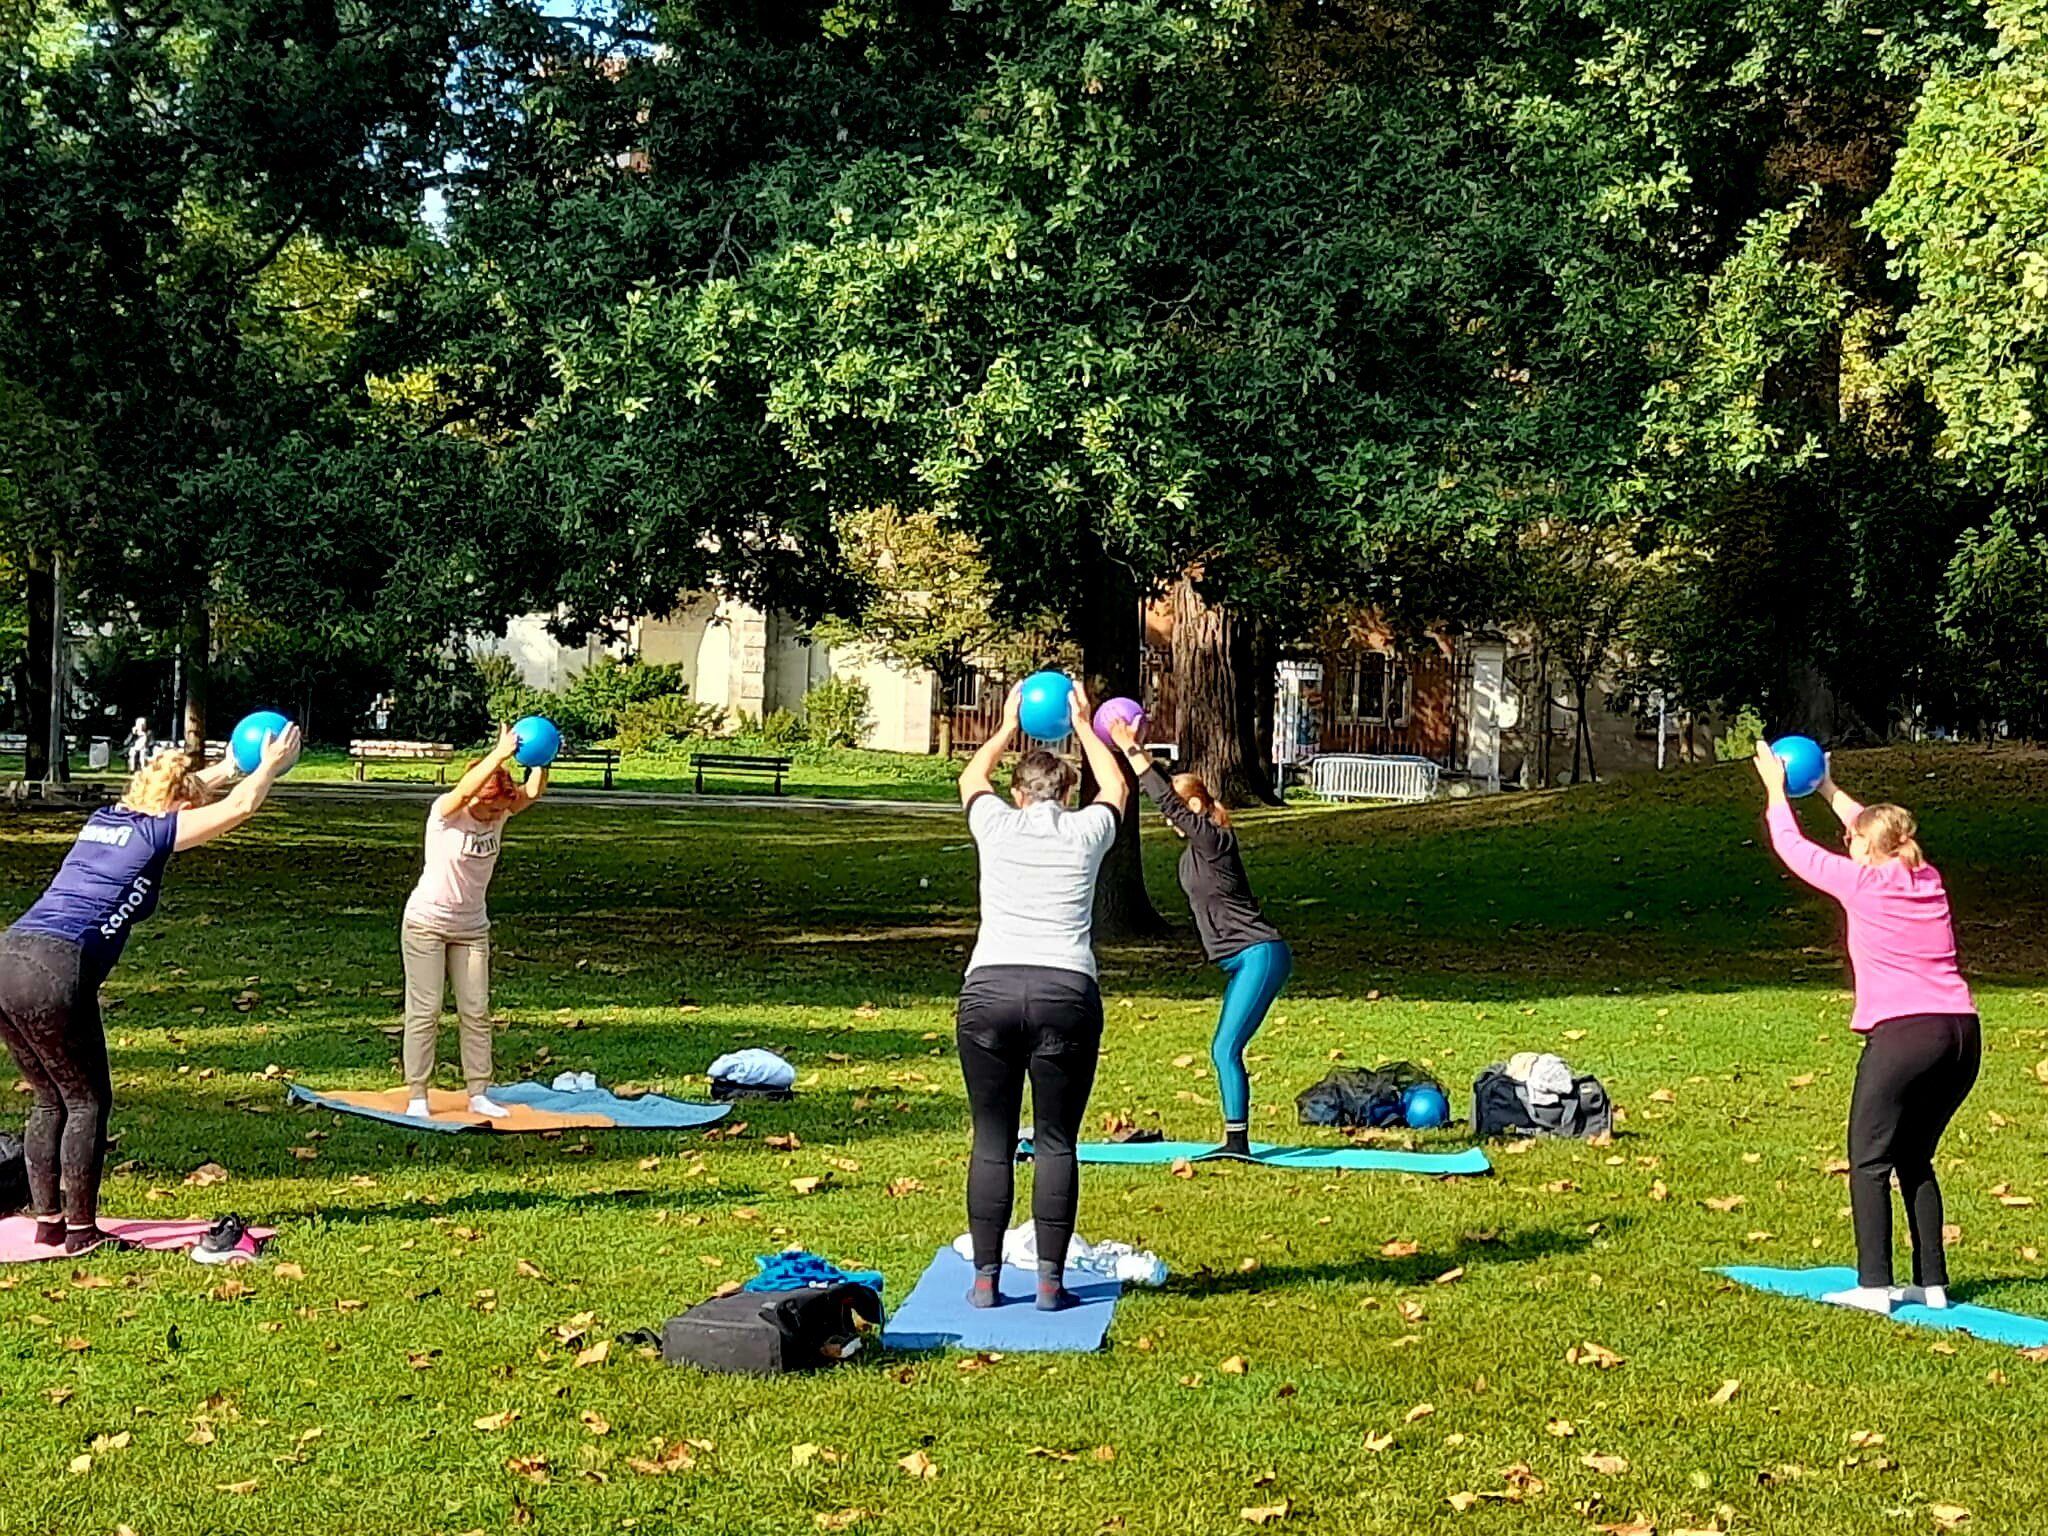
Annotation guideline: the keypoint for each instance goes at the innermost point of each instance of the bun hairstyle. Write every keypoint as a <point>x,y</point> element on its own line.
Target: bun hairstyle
<point>1892,833</point>
<point>1043,775</point>
<point>1189,786</point>
<point>164,781</point>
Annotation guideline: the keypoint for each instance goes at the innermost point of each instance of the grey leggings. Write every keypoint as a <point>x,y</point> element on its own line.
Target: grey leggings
<point>50,1021</point>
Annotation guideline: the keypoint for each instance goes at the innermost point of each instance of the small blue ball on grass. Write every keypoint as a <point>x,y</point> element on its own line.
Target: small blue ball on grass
<point>1805,764</point>
<point>1425,1108</point>
<point>246,745</point>
<point>1044,706</point>
<point>538,741</point>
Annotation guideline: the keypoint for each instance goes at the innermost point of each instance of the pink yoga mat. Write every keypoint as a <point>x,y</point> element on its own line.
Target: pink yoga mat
<point>18,1243</point>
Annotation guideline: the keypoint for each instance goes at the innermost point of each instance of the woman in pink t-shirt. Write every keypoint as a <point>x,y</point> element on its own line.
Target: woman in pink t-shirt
<point>1921,1043</point>
<point>445,937</point>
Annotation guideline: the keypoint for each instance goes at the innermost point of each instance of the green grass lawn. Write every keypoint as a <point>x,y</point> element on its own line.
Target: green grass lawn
<point>1405,1341</point>
<point>836,773</point>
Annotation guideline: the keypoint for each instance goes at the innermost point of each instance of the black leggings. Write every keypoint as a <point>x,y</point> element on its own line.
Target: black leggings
<point>1912,1078</point>
<point>1019,1021</point>
<point>50,1020</point>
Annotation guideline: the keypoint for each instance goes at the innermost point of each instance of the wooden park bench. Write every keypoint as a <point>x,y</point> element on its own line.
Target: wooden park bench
<point>364,753</point>
<point>589,756</point>
<point>724,762</point>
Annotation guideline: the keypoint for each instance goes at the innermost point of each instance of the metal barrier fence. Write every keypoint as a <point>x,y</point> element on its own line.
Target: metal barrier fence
<point>1353,776</point>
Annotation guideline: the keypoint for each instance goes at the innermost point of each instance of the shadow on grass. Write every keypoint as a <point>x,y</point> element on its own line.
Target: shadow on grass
<point>1526,1246</point>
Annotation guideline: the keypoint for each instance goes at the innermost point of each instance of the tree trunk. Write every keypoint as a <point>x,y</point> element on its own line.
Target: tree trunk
<point>35,693</point>
<point>1213,690</point>
<point>198,664</point>
<point>1110,628</point>
<point>1264,686</point>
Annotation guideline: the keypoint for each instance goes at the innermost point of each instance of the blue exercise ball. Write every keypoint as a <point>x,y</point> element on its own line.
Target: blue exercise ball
<point>1425,1108</point>
<point>1805,764</point>
<point>538,740</point>
<point>246,744</point>
<point>1044,708</point>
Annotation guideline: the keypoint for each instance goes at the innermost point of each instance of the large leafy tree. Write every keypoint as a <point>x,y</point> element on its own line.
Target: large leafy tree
<point>207,211</point>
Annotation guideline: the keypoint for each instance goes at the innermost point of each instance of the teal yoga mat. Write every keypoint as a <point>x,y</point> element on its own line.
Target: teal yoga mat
<point>1470,1161</point>
<point>1987,1323</point>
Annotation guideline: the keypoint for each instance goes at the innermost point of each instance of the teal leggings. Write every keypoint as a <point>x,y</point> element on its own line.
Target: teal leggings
<point>1256,977</point>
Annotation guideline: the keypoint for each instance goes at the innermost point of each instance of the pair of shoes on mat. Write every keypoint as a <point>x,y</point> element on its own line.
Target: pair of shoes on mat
<point>1882,1298</point>
<point>75,1241</point>
<point>222,1243</point>
<point>479,1104</point>
<point>1053,1295</point>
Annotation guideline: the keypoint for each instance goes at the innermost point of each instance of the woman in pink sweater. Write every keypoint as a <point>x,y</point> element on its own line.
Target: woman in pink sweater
<point>1921,1043</point>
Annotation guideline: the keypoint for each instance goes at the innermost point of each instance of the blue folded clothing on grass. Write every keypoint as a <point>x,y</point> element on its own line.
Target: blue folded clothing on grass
<point>795,1271</point>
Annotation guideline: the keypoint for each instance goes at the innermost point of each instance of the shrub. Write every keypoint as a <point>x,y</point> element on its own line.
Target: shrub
<point>837,712</point>
<point>1739,737</point>
<point>598,697</point>
<point>651,725</point>
<point>783,729</point>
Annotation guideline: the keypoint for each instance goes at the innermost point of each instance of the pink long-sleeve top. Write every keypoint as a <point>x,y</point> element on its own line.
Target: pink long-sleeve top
<point>1902,941</point>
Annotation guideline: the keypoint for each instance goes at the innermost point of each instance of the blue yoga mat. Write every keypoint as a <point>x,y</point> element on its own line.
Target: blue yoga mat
<point>1472,1160</point>
<point>1987,1323</point>
<point>593,1109</point>
<point>936,1315</point>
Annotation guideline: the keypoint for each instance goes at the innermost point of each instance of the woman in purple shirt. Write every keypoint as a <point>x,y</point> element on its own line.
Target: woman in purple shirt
<point>54,958</point>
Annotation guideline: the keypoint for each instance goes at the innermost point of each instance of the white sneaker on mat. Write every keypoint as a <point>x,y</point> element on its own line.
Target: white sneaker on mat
<point>1865,1298</point>
<point>1935,1296</point>
<point>484,1104</point>
<point>419,1109</point>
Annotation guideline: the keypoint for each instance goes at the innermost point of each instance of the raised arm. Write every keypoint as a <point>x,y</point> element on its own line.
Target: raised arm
<point>977,777</point>
<point>1824,871</point>
<point>471,783</point>
<point>1111,787</point>
<point>535,786</point>
<point>220,775</point>
<point>203,823</point>
<point>1845,806</point>
<point>1158,788</point>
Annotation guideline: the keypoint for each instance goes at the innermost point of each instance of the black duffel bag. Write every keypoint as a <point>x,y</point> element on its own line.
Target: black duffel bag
<point>13,1175</point>
<point>1359,1097</point>
<point>767,1333</point>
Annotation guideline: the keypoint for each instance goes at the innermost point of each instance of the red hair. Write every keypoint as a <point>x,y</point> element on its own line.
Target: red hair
<point>1190,787</point>
<point>499,786</point>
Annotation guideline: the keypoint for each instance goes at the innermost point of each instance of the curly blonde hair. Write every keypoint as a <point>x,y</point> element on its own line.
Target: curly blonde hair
<point>164,781</point>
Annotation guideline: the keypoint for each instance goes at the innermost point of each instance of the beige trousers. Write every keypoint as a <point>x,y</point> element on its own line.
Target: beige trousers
<point>435,963</point>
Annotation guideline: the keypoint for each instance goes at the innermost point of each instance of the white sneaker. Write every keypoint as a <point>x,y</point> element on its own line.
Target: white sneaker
<point>1865,1298</point>
<point>1935,1296</point>
<point>419,1109</point>
<point>483,1104</point>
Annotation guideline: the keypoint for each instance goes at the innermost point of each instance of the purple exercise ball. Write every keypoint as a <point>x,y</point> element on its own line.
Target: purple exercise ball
<point>1109,711</point>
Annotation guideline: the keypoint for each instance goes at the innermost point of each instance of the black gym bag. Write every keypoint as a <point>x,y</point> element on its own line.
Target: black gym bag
<point>13,1175</point>
<point>1356,1097</point>
<point>766,1333</point>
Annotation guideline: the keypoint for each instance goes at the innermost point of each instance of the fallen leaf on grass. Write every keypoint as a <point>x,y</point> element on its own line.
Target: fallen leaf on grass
<point>594,1422</point>
<point>101,1444</point>
<point>844,1519</point>
<point>1592,1354</point>
<point>1725,1203</point>
<point>289,1272</point>
<point>1450,1276</point>
<point>201,1435</point>
<point>898,1188</point>
<point>1628,1528</point>
<point>491,1423</point>
<point>532,1468</point>
<point>79,1465</point>
<point>1182,1168</point>
<point>844,1164</point>
<point>1399,1249</point>
<point>803,1455</point>
<point>1378,1443</point>
<point>1266,1514</point>
<point>596,1354</point>
<point>1606,1466</point>
<point>1663,1096</point>
<point>1949,1517</point>
<point>810,1186</point>
<point>1049,1454</point>
<point>237,1488</point>
<point>789,1142</point>
<point>1563,1429</point>
<point>422,1359</point>
<point>1236,1365</point>
<point>1522,1482</point>
<point>919,1466</point>
<point>205,1174</point>
<point>1418,1413</point>
<point>1725,1393</point>
<point>679,1457</point>
<point>77,1346</point>
<point>1462,1500</point>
